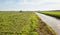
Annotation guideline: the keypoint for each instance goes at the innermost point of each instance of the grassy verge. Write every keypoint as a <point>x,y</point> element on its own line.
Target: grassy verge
<point>52,13</point>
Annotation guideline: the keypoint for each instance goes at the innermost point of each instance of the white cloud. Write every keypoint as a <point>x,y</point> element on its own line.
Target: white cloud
<point>31,2</point>
<point>31,5</point>
<point>58,1</point>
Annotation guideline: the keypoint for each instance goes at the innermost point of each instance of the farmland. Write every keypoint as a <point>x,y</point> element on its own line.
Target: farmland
<point>23,23</point>
<point>52,13</point>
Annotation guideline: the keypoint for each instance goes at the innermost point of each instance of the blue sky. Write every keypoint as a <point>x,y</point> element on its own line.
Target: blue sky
<point>29,5</point>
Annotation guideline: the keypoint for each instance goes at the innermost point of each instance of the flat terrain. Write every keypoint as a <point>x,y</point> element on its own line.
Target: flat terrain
<point>23,23</point>
<point>52,13</point>
<point>16,23</point>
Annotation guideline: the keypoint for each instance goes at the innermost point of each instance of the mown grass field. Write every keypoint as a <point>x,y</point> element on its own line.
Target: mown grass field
<point>52,13</point>
<point>22,23</point>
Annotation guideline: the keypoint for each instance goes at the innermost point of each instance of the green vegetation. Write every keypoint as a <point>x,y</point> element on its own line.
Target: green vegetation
<point>52,13</point>
<point>22,23</point>
<point>16,23</point>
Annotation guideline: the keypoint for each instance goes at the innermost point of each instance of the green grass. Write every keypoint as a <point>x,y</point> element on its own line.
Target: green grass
<point>22,23</point>
<point>52,13</point>
<point>16,23</point>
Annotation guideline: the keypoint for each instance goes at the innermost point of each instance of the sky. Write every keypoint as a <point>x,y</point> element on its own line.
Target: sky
<point>10,5</point>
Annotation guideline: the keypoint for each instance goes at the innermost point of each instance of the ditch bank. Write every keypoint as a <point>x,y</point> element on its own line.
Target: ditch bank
<point>58,17</point>
<point>44,28</point>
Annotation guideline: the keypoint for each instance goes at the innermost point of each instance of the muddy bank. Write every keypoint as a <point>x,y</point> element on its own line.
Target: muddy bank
<point>44,29</point>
